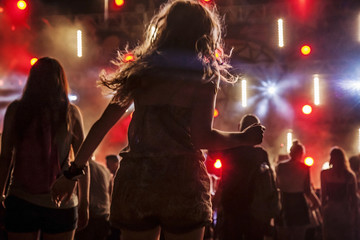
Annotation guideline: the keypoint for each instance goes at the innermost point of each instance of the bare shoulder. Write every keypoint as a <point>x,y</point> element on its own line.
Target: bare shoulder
<point>75,112</point>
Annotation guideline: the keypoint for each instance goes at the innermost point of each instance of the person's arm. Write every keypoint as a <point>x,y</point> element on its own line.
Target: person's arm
<point>7,147</point>
<point>204,136</point>
<point>323,194</point>
<point>84,181</point>
<point>310,194</point>
<point>63,187</point>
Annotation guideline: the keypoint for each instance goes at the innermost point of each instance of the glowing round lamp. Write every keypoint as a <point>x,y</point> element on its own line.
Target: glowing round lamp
<point>217,163</point>
<point>216,113</point>
<point>129,57</point>
<point>309,161</point>
<point>33,61</point>
<point>307,109</point>
<point>305,50</point>
<point>21,5</point>
<point>119,3</point>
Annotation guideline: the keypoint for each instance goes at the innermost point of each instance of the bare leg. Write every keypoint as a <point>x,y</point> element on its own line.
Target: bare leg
<point>59,236</point>
<point>23,236</point>
<point>197,234</point>
<point>153,234</point>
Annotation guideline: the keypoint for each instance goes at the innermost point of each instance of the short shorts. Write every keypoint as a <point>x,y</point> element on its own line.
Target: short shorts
<point>24,217</point>
<point>168,191</point>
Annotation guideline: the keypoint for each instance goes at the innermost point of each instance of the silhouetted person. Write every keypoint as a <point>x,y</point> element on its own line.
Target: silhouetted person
<point>162,183</point>
<point>39,131</point>
<point>245,169</point>
<point>293,180</point>
<point>339,200</point>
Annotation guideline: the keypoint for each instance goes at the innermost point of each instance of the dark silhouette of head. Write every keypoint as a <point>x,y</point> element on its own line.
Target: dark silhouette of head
<point>248,120</point>
<point>297,151</point>
<point>112,163</point>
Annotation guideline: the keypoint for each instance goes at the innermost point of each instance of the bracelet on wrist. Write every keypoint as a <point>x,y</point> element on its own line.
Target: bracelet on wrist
<point>75,172</point>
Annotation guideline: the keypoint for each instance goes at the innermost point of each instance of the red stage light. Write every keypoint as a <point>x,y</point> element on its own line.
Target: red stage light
<point>119,3</point>
<point>216,113</point>
<point>217,163</point>
<point>305,50</point>
<point>307,109</point>
<point>21,5</point>
<point>309,161</point>
<point>129,57</point>
<point>33,61</point>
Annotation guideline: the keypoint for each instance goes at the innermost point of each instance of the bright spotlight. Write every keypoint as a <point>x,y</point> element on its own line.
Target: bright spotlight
<point>79,43</point>
<point>33,61</point>
<point>217,164</point>
<point>281,33</point>
<point>216,113</point>
<point>307,109</point>
<point>21,5</point>
<point>289,138</point>
<point>316,90</point>
<point>325,166</point>
<point>309,161</point>
<point>359,140</point>
<point>243,93</point>
<point>271,90</point>
<point>305,50</point>
<point>72,97</point>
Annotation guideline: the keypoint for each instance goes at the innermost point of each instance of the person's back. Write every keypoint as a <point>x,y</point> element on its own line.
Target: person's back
<point>291,176</point>
<point>247,190</point>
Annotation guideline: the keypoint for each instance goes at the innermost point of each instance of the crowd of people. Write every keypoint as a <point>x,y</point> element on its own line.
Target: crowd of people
<point>52,188</point>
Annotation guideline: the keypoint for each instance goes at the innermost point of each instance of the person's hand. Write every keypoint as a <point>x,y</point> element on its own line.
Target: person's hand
<point>62,190</point>
<point>83,219</point>
<point>254,134</point>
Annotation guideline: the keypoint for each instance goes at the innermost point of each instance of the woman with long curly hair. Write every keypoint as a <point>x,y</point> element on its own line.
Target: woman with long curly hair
<point>162,183</point>
<point>40,130</point>
<point>339,199</point>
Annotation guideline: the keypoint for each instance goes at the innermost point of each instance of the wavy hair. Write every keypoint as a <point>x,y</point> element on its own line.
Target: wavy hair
<point>45,93</point>
<point>339,161</point>
<point>184,25</point>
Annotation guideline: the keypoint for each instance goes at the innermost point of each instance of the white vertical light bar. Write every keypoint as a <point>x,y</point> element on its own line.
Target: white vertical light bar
<point>359,141</point>
<point>358,28</point>
<point>289,140</point>
<point>106,10</point>
<point>79,43</point>
<point>243,93</point>
<point>316,90</point>
<point>281,32</point>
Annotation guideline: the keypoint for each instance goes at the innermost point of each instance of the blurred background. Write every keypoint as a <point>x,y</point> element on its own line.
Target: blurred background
<point>297,62</point>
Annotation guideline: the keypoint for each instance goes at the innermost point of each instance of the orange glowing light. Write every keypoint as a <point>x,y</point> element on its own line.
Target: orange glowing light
<point>305,50</point>
<point>119,3</point>
<point>1,9</point>
<point>216,113</point>
<point>33,61</point>
<point>309,161</point>
<point>217,164</point>
<point>307,109</point>
<point>129,57</point>
<point>21,5</point>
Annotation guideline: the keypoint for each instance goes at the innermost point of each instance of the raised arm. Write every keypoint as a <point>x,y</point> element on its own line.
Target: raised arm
<point>7,147</point>
<point>204,136</point>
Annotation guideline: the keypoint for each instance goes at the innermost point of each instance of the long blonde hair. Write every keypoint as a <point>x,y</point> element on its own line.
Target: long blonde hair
<point>183,25</point>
